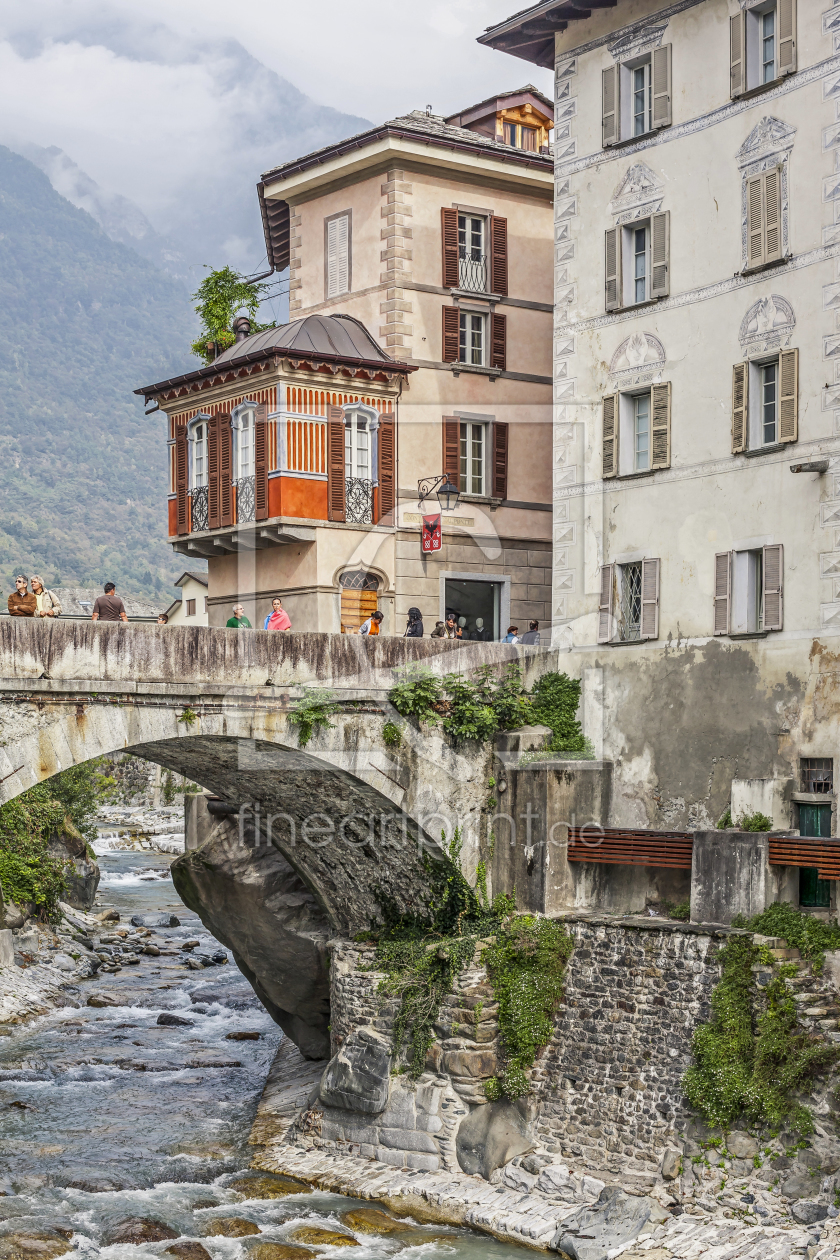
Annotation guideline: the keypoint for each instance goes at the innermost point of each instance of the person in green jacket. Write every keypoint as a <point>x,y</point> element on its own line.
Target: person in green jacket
<point>238,621</point>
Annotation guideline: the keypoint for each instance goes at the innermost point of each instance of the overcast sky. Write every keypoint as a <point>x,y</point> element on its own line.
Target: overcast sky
<point>165,102</point>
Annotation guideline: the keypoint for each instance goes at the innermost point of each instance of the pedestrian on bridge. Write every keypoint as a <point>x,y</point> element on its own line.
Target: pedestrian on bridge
<point>372,625</point>
<point>48,603</point>
<point>238,621</point>
<point>22,603</point>
<point>278,618</point>
<point>414,627</point>
<point>109,607</point>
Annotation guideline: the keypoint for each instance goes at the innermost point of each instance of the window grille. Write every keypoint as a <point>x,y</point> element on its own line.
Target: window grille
<point>200,509</point>
<point>817,774</point>
<point>630,621</point>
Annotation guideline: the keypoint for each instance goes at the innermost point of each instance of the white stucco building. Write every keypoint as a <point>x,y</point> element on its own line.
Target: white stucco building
<point>696,378</point>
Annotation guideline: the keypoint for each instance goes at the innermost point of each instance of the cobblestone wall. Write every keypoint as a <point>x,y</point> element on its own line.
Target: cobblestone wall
<point>607,1090</point>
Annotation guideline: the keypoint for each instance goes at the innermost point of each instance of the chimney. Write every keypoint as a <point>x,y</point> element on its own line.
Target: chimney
<point>242,328</point>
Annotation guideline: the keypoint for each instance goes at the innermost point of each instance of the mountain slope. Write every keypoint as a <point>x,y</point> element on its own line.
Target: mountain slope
<point>83,321</point>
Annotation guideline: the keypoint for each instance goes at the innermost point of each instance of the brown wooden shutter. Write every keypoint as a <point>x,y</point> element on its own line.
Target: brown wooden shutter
<point>660,248</point>
<point>660,436</point>
<point>451,333</point>
<point>737,60</point>
<point>755,221</point>
<point>452,450</point>
<point>612,269</point>
<point>610,106</point>
<point>661,76</point>
<point>740,406</point>
<point>261,463</point>
<point>609,455</point>
<point>498,341</point>
<point>214,510</point>
<point>723,590</point>
<point>649,628</point>
<point>449,222</point>
<point>336,490</point>
<point>786,10</point>
<point>500,460</point>
<point>788,395</point>
<point>387,468</point>
<point>225,469</point>
<point>771,580</point>
<point>772,215</point>
<point>605,603</point>
<point>181,484</point>
<point>498,255</point>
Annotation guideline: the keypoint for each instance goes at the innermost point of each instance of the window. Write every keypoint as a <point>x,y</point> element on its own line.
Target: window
<point>521,137</point>
<point>190,607</point>
<point>636,97</point>
<point>637,262</point>
<point>817,774</point>
<point>471,338</point>
<point>762,194</point>
<point>628,608</point>
<point>477,607</point>
<point>337,254</point>
<point>473,458</point>
<point>357,446</point>
<point>359,598</point>
<point>748,590</point>
<point>198,460</point>
<point>636,431</point>
<point>243,445</point>
<point>472,253</point>
<point>765,402</point>
<point>762,45</point>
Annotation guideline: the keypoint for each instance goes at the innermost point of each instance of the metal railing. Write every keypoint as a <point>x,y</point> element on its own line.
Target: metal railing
<point>199,509</point>
<point>358,501</point>
<point>245,502</point>
<point>472,270</point>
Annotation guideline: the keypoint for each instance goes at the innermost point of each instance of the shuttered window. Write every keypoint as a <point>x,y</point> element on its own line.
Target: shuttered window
<point>764,218</point>
<point>637,100</point>
<point>498,255</point>
<point>789,396</point>
<point>660,447</point>
<point>762,46</point>
<point>661,79</point>
<point>182,517</point>
<point>723,578</point>
<point>337,255</point>
<point>637,262</point>
<point>225,469</point>
<point>605,603</point>
<point>660,252</point>
<point>649,628</point>
<point>612,269</point>
<point>609,435</point>
<point>610,106</point>
<point>214,503</point>
<point>449,237</point>
<point>737,59</point>
<point>498,341</point>
<point>786,17</point>
<point>387,468</point>
<point>452,450</point>
<point>500,460</point>
<point>261,463</point>
<point>748,591</point>
<point>765,410</point>
<point>772,566</point>
<point>740,406</point>
<point>628,603</point>
<point>335,464</point>
<point>451,334</point>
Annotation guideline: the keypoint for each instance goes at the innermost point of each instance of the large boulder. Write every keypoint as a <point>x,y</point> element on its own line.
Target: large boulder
<point>597,1232</point>
<point>252,901</point>
<point>81,871</point>
<point>492,1135</point>
<point>358,1078</point>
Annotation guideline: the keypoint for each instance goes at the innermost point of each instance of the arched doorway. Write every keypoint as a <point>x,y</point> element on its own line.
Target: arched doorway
<point>359,598</point>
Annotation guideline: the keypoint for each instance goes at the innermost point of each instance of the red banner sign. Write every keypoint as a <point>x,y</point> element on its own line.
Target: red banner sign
<point>431,534</point>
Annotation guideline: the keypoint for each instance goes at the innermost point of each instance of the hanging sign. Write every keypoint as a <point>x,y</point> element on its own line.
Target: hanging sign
<point>431,539</point>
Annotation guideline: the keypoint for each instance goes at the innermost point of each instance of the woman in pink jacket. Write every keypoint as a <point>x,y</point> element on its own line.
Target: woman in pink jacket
<point>278,618</point>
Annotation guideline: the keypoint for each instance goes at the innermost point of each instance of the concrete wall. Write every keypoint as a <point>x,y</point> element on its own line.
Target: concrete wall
<point>731,875</point>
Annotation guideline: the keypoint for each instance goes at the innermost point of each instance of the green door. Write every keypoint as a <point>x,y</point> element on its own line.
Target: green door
<point>814,820</point>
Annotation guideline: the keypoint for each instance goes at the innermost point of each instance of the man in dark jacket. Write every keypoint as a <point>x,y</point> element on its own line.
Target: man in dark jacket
<point>22,603</point>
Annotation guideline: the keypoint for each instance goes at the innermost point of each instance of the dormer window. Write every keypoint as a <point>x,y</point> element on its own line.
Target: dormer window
<point>520,137</point>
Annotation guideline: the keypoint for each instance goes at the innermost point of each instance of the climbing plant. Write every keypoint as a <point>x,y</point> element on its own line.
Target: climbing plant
<point>748,1063</point>
<point>312,713</point>
<point>554,703</point>
<point>218,298</point>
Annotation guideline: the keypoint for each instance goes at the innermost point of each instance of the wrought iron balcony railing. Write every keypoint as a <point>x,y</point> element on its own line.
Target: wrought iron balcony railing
<point>200,509</point>
<point>358,501</point>
<point>245,503</point>
<point>472,270</point>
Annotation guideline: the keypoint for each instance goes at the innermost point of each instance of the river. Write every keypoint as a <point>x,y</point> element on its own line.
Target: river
<point>107,1115</point>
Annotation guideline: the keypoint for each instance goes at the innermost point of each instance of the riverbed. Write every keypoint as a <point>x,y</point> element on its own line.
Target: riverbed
<point>107,1114</point>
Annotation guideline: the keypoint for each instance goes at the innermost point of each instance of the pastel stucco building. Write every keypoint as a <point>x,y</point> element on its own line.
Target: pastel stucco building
<point>696,396</point>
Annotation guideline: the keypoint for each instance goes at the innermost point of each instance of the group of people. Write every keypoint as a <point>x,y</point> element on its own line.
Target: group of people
<point>456,628</point>
<point>42,602</point>
<point>277,619</point>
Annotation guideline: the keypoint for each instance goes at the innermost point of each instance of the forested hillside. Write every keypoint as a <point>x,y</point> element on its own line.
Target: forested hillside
<point>83,322</point>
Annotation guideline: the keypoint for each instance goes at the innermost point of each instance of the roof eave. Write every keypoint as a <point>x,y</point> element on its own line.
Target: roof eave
<point>530,34</point>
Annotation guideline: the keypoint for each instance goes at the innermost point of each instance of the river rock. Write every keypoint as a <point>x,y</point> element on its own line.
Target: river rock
<point>81,874</point>
<point>270,1186</point>
<point>101,999</point>
<point>280,1251</point>
<point>358,1077</point>
<point>242,1036</point>
<point>231,1227</point>
<point>801,1185</point>
<point>63,961</point>
<point>594,1233</point>
<point>492,1135</point>
<point>373,1221</point>
<point>252,901</point>
<point>808,1213</point>
<point>168,1020</point>
<point>139,1229</point>
<point>188,1251</point>
<point>37,1244</point>
<point>15,916</point>
<point>322,1237</point>
<point>154,920</point>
